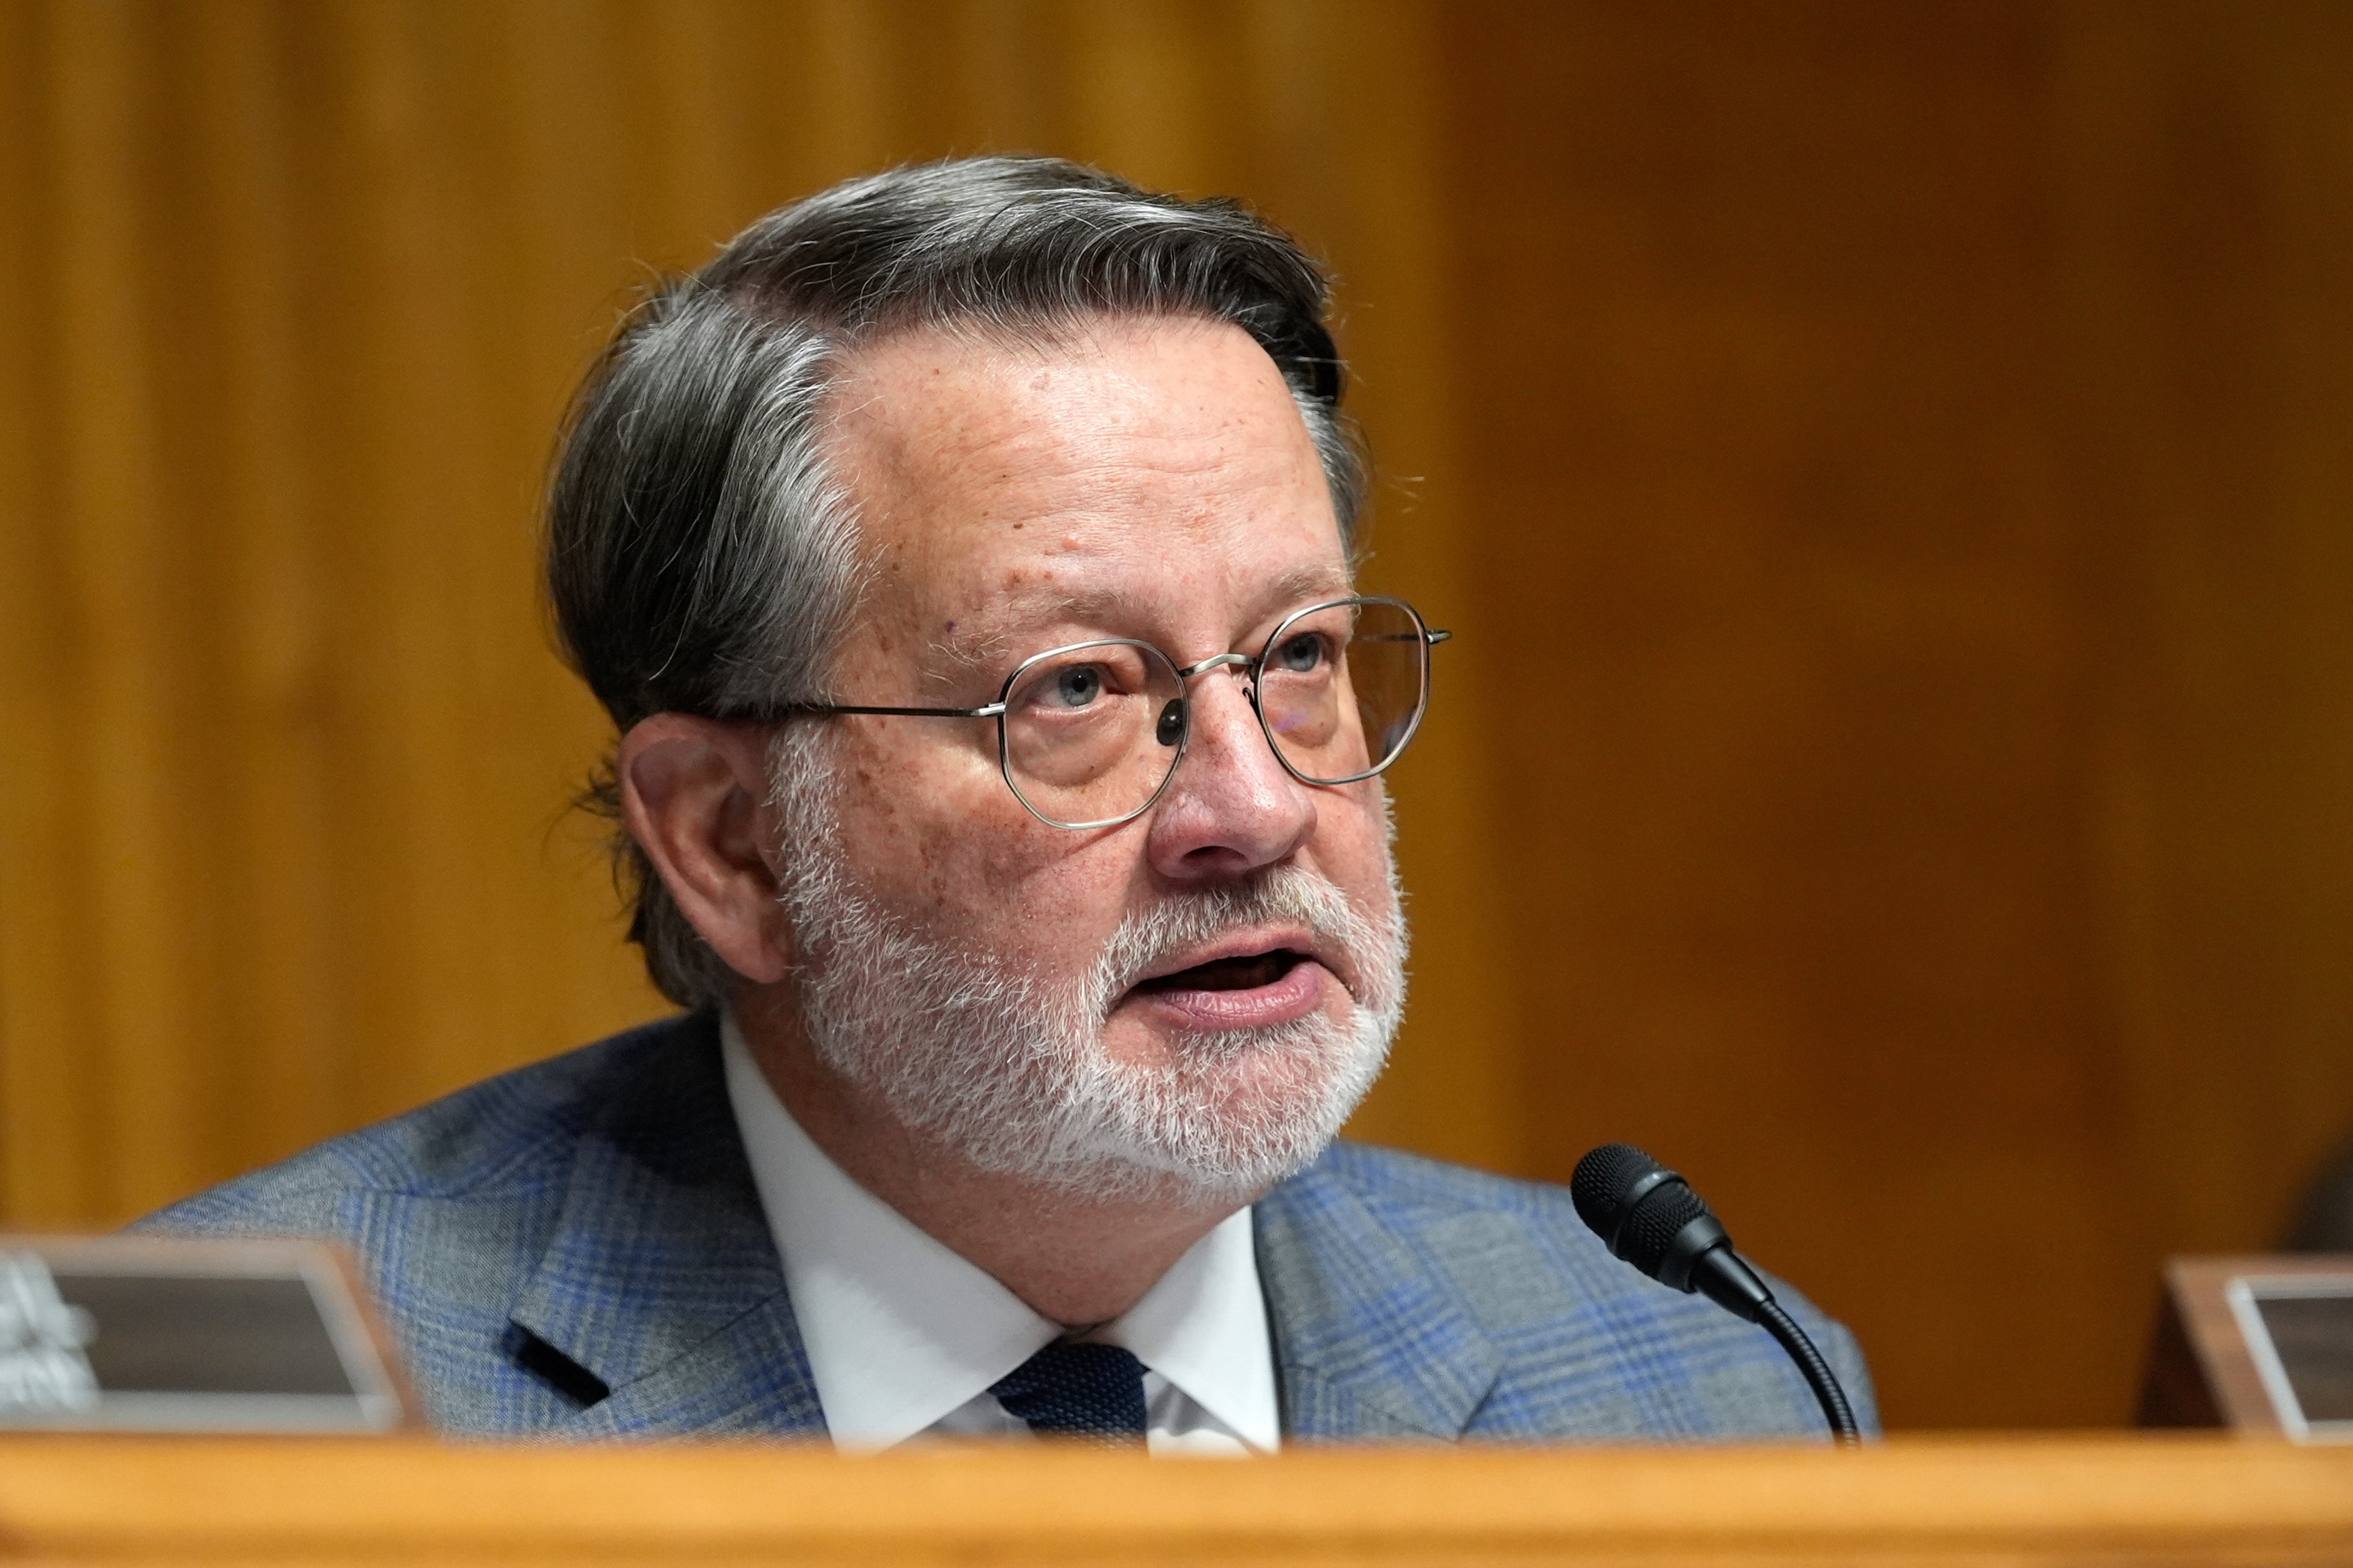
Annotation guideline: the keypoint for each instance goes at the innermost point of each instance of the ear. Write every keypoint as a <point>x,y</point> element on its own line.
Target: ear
<point>694,796</point>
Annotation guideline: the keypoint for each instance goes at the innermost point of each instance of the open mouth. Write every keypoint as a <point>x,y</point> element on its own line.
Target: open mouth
<point>1243,972</point>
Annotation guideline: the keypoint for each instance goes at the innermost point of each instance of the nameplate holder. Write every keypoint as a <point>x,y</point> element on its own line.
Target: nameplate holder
<point>2299,1332</point>
<point>132,1333</point>
<point>2260,1345</point>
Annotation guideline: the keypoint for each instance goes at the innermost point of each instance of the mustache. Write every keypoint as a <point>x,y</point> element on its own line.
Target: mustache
<point>1147,938</point>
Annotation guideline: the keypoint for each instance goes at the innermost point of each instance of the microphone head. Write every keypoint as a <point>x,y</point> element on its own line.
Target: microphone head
<point>1651,1229</point>
<point>1604,1182</point>
<point>1644,1213</point>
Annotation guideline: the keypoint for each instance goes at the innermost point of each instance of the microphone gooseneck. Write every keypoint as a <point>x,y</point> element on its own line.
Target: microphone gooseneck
<point>1650,1217</point>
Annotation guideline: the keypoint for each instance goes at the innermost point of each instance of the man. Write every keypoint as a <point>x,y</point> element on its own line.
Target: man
<point>964,557</point>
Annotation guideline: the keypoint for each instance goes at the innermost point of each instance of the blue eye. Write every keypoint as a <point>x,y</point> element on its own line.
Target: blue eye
<point>1078,686</point>
<point>1301,654</point>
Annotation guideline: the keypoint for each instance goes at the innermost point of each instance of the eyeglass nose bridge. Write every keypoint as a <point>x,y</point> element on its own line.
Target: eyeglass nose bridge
<point>1241,661</point>
<point>1183,706</point>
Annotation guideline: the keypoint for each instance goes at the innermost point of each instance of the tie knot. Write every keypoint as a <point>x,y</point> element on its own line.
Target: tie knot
<point>1080,1391</point>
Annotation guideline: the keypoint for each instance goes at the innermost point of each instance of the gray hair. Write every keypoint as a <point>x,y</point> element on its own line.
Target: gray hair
<point>701,559</point>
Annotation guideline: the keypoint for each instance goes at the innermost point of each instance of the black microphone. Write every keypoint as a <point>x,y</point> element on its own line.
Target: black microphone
<point>1650,1217</point>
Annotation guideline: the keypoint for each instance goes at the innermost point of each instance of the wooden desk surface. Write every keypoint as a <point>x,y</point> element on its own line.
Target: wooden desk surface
<point>2120,1499</point>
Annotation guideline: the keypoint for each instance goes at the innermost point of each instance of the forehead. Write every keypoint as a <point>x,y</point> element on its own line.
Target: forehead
<point>1114,468</point>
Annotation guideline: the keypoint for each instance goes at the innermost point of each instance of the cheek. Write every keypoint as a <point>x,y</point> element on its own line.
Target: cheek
<point>934,831</point>
<point>1352,839</point>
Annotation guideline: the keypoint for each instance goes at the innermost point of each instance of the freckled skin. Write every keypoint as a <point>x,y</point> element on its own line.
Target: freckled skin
<point>1177,486</point>
<point>1149,479</point>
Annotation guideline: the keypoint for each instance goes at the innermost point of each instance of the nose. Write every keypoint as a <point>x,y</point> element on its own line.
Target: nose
<point>1231,806</point>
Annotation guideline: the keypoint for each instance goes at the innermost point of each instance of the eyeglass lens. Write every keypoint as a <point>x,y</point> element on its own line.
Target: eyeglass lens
<point>1092,732</point>
<point>1340,689</point>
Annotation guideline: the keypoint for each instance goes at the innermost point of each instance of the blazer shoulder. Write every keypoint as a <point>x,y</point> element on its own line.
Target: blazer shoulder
<point>512,1136</point>
<point>1410,1178</point>
<point>1513,1249</point>
<point>1547,1293</point>
<point>594,1209</point>
<point>1417,1192</point>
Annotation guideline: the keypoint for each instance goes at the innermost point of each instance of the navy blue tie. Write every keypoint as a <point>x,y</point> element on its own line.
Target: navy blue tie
<point>1078,1391</point>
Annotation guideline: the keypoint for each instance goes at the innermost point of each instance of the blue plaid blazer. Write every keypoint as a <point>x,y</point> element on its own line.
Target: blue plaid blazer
<point>576,1249</point>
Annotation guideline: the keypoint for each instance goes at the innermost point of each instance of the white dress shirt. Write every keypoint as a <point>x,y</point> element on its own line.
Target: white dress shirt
<point>904,1337</point>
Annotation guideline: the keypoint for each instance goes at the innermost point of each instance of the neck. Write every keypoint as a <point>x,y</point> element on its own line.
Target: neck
<point>1075,1259</point>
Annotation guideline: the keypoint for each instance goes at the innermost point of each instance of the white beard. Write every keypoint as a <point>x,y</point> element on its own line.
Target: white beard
<point>1008,1067</point>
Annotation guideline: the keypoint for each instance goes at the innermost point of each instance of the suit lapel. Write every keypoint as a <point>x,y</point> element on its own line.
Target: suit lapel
<point>661,1279</point>
<point>1370,1341</point>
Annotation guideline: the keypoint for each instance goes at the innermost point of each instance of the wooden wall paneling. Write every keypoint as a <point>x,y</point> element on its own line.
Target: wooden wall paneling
<point>1008,76</point>
<point>2206,177</point>
<point>248,479</point>
<point>1756,365</point>
<point>123,815</point>
<point>1928,426</point>
<point>42,1092</point>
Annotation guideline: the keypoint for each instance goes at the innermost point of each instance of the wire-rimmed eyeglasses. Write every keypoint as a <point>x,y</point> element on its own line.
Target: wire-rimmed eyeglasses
<point>1089,735</point>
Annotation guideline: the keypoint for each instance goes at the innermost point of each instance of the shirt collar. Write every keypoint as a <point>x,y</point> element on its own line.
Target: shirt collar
<point>1203,1327</point>
<point>900,1330</point>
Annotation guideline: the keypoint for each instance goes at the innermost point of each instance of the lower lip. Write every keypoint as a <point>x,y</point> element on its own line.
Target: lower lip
<point>1299,992</point>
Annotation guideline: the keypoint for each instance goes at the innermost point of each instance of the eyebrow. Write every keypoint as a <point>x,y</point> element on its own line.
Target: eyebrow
<point>979,651</point>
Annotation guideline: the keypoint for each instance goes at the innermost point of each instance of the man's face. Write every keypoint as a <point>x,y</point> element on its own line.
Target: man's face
<point>1149,479</point>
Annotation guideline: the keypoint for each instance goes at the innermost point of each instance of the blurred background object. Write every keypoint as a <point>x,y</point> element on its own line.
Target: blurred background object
<point>2324,1220</point>
<point>1886,465</point>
